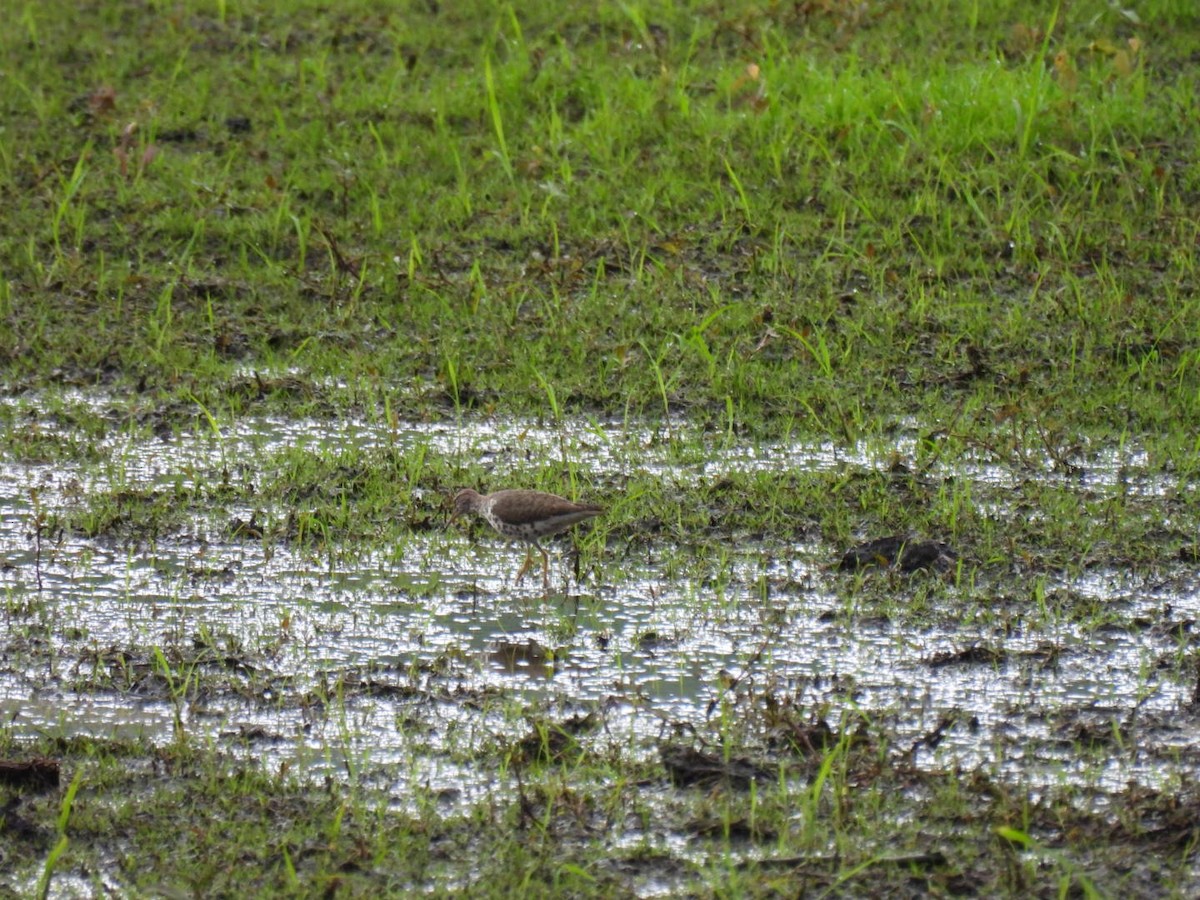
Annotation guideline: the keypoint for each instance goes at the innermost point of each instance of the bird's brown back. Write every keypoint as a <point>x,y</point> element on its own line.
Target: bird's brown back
<point>523,507</point>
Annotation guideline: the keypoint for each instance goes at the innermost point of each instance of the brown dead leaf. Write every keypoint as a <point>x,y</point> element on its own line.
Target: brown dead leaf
<point>102,100</point>
<point>748,89</point>
<point>123,151</point>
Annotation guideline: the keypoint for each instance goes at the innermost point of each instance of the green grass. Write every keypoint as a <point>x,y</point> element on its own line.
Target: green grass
<point>852,221</point>
<point>214,825</point>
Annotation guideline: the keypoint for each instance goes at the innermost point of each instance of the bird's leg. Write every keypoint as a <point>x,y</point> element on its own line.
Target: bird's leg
<point>534,545</point>
<point>525,566</point>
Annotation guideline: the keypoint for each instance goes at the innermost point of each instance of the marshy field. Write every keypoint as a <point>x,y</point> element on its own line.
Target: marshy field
<point>767,281</point>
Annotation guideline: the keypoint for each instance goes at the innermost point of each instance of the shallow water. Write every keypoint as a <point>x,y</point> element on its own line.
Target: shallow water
<point>400,666</point>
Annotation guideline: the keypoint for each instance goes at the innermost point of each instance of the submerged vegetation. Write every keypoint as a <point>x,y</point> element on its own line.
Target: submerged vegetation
<point>766,280</point>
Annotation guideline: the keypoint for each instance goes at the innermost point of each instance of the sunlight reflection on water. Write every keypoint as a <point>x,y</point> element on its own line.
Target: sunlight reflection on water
<point>438,622</point>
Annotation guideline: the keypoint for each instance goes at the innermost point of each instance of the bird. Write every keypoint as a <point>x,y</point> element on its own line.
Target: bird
<point>524,515</point>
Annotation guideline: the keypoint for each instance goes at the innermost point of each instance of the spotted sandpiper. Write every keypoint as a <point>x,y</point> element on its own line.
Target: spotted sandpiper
<point>525,516</point>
